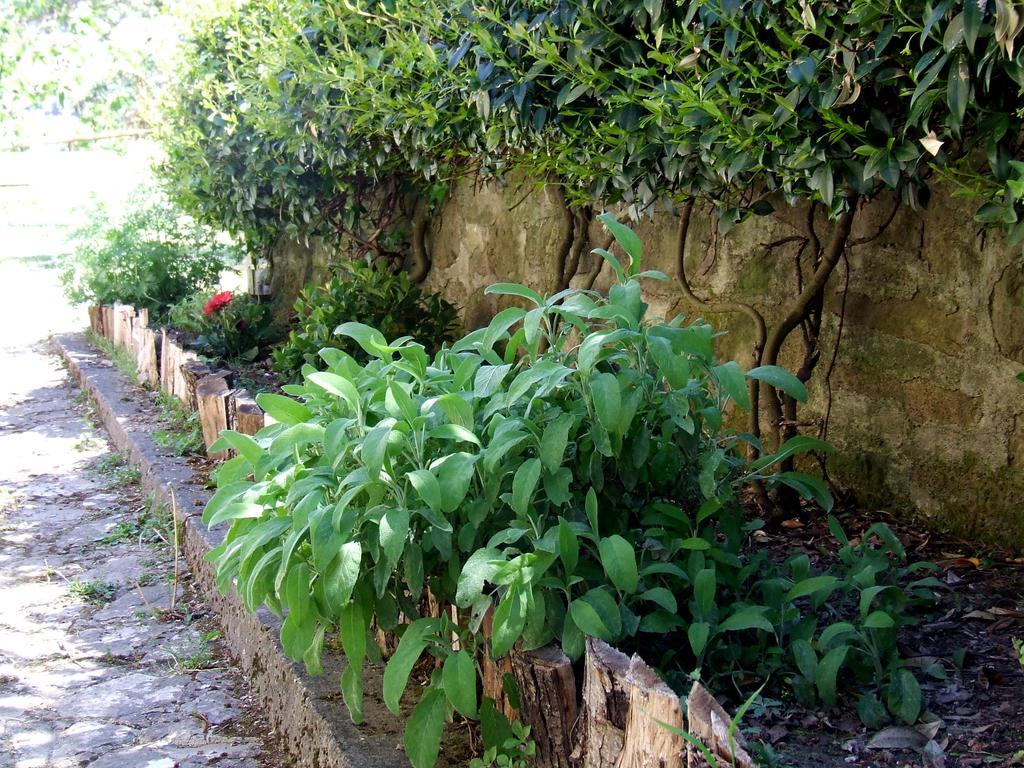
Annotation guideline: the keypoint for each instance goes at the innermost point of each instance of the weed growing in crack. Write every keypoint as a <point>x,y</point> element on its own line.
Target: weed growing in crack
<point>94,591</point>
<point>184,436</point>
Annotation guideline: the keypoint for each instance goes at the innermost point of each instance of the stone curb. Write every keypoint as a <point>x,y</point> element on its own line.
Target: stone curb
<point>307,713</point>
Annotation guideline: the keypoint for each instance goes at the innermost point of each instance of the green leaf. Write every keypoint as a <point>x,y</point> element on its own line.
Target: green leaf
<point>588,620</point>
<point>704,590</point>
<point>218,508</point>
<point>834,632</point>
<point>591,509</point>
<point>662,597</point>
<point>454,475</point>
<point>424,729</point>
<point>488,379</point>
<point>375,446</point>
<point>426,486</point>
<point>338,386</point>
<point>515,289</point>
<point>751,617</point>
<point>459,678</point>
<point>244,445</point>
<point>283,409</point>
<point>879,620</point>
<point>342,574</point>
<point>509,621</point>
<point>394,532</point>
<point>827,671</point>
<point>352,623</point>
<point>619,563</point>
<point>871,711</point>
<point>904,696</point>
<point>410,647</point>
<point>523,485</point>
<point>781,379</point>
<point>554,440</point>
<point>805,657</point>
<point>626,237</point>
<point>370,339</point>
<point>810,586</point>
<point>568,547</point>
<point>477,570</point>
<point>673,366</point>
<point>604,389</point>
<point>698,633</point>
<point>732,380</point>
<point>793,446</point>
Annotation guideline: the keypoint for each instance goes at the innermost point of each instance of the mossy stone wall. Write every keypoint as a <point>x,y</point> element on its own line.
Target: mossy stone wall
<point>927,415</point>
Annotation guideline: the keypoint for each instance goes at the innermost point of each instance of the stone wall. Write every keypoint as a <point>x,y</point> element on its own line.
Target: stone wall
<point>927,414</point>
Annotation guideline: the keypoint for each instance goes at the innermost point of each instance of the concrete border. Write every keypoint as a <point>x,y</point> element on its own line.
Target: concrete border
<point>308,715</point>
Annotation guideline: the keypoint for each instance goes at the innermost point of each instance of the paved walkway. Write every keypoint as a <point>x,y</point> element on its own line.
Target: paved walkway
<point>106,657</point>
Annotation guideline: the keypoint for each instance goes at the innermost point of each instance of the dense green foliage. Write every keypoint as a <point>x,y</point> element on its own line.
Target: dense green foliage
<point>567,466</point>
<point>296,107</point>
<point>370,295</point>
<point>149,256</point>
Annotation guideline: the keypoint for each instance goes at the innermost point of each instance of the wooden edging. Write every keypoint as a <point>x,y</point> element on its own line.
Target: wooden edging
<point>629,718</point>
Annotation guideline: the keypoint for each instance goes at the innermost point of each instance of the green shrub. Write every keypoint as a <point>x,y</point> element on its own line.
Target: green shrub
<point>568,467</point>
<point>370,295</point>
<point>229,326</point>
<point>150,256</point>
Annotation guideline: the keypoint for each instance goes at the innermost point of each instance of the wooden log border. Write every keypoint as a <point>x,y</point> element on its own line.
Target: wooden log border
<point>615,717</point>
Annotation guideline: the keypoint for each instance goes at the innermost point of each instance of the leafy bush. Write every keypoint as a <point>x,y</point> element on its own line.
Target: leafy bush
<point>150,256</point>
<point>568,467</point>
<point>371,295</point>
<point>227,325</point>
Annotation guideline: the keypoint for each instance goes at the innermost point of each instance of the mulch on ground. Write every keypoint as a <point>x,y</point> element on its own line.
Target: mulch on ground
<point>974,692</point>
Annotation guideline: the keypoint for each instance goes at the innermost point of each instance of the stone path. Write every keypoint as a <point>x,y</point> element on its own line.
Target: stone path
<point>98,666</point>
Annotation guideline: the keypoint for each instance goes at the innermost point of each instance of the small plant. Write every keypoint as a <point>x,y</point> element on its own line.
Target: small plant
<point>184,436</point>
<point>116,470</point>
<point>150,527</point>
<point>1018,646</point>
<point>94,591</point>
<point>506,745</point>
<point>234,327</point>
<point>150,256</point>
<point>370,295</point>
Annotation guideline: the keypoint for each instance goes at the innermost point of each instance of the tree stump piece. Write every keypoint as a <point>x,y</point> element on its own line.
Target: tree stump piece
<point>605,706</point>
<point>709,722</point>
<point>648,743</point>
<point>246,415</point>
<point>212,393</point>
<point>96,319</point>
<point>547,702</point>
<point>108,322</point>
<point>193,372</point>
<point>493,671</point>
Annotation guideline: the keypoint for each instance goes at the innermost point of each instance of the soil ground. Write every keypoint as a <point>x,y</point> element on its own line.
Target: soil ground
<point>974,692</point>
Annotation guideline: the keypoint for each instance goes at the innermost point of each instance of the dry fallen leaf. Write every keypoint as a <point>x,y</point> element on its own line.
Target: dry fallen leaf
<point>991,614</point>
<point>897,737</point>
<point>958,561</point>
<point>933,756</point>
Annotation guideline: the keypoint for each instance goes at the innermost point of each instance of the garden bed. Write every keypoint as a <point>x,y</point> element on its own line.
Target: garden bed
<point>962,650</point>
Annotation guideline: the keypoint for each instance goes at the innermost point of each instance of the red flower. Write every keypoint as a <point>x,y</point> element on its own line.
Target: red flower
<point>218,302</point>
